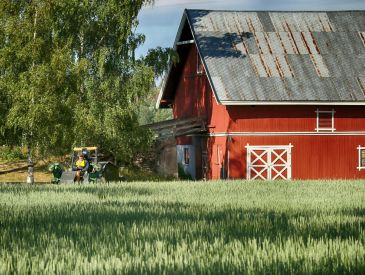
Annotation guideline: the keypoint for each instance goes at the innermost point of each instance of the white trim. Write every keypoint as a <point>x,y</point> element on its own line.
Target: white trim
<point>258,103</point>
<point>226,134</point>
<point>185,42</point>
<point>262,147</point>
<point>332,112</point>
<point>324,129</point>
<point>359,148</point>
<point>325,111</point>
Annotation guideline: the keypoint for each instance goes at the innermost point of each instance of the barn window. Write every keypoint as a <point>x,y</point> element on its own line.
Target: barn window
<point>325,121</point>
<point>199,66</point>
<point>361,157</point>
<point>186,156</point>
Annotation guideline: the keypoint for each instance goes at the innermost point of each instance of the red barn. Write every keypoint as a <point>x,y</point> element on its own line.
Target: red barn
<point>269,95</point>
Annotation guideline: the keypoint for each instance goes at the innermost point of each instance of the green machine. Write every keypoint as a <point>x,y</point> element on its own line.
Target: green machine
<point>103,171</point>
<point>93,174</point>
<point>57,171</point>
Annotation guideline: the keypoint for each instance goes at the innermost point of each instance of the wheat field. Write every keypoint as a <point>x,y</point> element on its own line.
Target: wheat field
<point>221,227</point>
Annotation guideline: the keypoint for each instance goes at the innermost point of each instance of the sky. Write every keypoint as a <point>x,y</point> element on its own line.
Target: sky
<point>160,22</point>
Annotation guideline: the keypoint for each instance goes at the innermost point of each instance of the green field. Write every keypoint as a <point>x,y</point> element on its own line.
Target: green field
<point>184,227</point>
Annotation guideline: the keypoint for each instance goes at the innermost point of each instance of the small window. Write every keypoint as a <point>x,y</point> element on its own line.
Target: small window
<point>199,67</point>
<point>361,157</point>
<point>325,121</point>
<point>186,156</point>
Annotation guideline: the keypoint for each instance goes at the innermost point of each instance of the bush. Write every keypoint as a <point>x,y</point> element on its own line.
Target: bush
<point>137,174</point>
<point>8,153</point>
<point>181,172</point>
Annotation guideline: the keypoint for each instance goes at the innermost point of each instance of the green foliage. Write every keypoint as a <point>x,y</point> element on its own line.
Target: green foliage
<point>70,76</point>
<point>181,172</point>
<point>147,112</point>
<point>160,58</point>
<point>138,175</point>
<point>8,153</point>
<point>34,74</point>
<point>223,227</point>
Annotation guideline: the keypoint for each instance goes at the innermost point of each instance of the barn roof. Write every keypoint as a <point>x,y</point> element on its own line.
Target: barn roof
<point>277,57</point>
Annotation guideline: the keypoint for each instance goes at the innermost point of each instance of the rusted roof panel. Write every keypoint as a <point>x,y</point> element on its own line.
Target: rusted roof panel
<point>287,43</point>
<point>285,67</point>
<point>274,43</point>
<point>272,65</point>
<point>282,56</point>
<point>262,43</point>
<point>319,64</point>
<point>257,64</point>
<point>251,45</point>
<point>301,21</point>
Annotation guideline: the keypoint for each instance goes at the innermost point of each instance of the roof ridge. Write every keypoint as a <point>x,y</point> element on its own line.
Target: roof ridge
<point>293,11</point>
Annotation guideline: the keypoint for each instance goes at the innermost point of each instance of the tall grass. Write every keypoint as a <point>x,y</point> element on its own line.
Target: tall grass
<point>184,227</point>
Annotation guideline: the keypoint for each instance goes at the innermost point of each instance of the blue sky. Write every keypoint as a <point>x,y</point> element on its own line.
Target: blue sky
<point>160,22</point>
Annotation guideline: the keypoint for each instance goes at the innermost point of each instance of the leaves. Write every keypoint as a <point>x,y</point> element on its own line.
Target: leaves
<point>160,59</point>
<point>70,76</point>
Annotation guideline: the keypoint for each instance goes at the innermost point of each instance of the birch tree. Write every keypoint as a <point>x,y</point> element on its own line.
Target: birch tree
<point>69,75</point>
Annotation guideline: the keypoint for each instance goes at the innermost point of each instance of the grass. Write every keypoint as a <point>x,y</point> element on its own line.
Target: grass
<point>41,171</point>
<point>184,227</point>
<point>41,176</point>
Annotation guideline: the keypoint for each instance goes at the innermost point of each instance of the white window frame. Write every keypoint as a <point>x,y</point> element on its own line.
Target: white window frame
<point>359,149</point>
<point>332,129</point>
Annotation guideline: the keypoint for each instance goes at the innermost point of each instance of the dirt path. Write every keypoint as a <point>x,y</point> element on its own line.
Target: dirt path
<point>20,172</point>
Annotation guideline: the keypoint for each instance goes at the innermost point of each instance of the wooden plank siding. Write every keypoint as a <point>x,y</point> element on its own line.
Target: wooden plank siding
<point>313,156</point>
<point>193,94</point>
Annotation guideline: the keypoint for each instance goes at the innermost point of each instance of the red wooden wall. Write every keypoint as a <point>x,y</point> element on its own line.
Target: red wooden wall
<point>193,97</point>
<point>313,156</point>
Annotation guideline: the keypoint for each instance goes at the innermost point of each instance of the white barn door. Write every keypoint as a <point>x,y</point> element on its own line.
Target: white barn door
<point>269,162</point>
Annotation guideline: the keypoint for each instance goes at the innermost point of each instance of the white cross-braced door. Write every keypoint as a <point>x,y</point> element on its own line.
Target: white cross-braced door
<point>269,162</point>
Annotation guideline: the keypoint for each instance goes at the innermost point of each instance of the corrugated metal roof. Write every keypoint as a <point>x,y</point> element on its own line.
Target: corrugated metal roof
<point>282,56</point>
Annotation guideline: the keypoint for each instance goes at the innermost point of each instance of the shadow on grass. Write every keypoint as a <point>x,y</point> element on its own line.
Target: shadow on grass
<point>193,220</point>
<point>99,190</point>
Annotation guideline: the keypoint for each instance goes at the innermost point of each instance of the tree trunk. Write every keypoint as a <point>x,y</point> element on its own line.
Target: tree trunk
<point>82,87</point>
<point>30,177</point>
